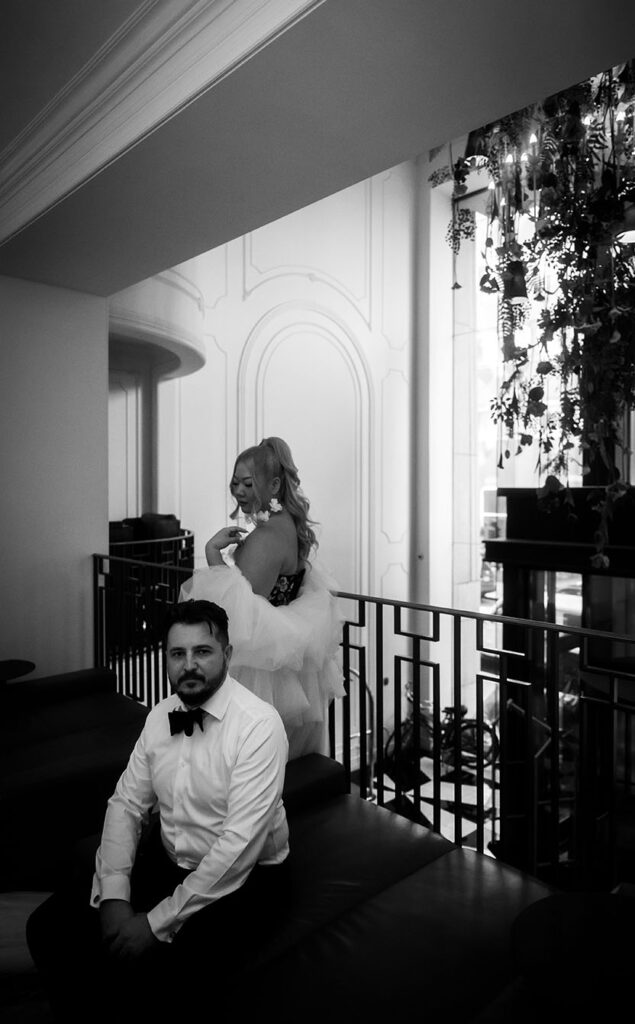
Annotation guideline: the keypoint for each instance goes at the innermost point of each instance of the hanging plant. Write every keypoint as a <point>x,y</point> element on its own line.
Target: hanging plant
<point>561,186</point>
<point>462,226</point>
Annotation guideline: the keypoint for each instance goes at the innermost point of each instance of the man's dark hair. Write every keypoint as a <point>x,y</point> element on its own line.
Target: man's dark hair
<point>191,613</point>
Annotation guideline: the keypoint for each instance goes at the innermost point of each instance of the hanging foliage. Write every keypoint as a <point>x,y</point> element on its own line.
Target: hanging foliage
<point>561,188</point>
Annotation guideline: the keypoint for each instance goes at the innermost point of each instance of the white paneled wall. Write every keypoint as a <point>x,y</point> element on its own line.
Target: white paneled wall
<point>309,336</point>
<point>333,329</point>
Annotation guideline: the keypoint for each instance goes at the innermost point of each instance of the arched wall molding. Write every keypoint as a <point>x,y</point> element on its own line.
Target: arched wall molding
<point>180,282</point>
<point>161,59</point>
<point>222,293</point>
<point>298,315</point>
<point>256,277</point>
<point>272,330</point>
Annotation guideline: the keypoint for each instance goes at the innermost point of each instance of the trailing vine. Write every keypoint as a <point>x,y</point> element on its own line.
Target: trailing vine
<point>561,185</point>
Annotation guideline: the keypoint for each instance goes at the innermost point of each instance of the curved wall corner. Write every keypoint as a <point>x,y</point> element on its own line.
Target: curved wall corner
<point>158,323</point>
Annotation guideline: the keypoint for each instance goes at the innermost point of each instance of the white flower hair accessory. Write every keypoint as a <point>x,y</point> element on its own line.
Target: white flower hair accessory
<point>258,518</point>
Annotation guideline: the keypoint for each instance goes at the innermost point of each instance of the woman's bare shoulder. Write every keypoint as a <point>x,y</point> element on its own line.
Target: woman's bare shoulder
<point>279,530</point>
<point>278,537</point>
<point>265,537</point>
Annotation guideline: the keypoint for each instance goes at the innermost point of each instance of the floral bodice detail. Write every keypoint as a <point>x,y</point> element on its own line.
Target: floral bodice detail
<point>285,589</point>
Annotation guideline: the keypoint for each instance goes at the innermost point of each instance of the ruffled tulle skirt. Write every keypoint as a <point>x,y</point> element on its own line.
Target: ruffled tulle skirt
<point>288,655</point>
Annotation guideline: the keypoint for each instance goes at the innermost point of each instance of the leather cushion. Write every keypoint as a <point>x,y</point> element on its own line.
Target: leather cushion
<point>344,852</point>
<point>312,778</point>
<point>437,938</point>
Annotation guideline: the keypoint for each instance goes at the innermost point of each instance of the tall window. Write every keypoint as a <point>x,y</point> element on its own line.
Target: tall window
<point>479,362</point>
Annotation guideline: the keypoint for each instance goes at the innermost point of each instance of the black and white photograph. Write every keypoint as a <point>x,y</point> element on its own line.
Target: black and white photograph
<point>317,644</point>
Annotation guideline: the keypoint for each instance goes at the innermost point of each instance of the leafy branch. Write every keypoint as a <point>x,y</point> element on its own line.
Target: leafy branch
<point>561,185</point>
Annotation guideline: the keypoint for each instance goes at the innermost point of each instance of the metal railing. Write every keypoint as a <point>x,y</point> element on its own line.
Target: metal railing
<point>177,551</point>
<point>508,735</point>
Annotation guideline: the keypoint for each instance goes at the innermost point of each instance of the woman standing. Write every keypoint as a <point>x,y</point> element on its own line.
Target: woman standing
<point>283,620</point>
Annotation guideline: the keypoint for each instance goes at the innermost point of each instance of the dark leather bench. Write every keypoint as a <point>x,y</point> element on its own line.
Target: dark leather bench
<point>64,741</point>
<point>386,917</point>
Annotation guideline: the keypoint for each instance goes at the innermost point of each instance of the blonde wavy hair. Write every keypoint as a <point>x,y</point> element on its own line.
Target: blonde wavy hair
<point>271,458</point>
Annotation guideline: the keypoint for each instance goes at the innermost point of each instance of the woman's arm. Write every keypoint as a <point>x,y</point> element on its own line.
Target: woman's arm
<point>228,535</point>
<point>260,558</point>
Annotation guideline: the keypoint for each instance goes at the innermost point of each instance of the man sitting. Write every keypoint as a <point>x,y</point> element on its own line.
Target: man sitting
<point>202,887</point>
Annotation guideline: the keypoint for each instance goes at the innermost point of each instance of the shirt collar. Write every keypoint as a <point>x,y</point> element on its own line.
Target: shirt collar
<point>217,704</point>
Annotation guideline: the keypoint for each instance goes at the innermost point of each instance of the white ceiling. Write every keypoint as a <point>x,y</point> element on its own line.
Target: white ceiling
<point>351,89</point>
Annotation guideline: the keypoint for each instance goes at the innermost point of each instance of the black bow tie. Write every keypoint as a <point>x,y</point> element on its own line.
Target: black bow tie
<point>184,721</point>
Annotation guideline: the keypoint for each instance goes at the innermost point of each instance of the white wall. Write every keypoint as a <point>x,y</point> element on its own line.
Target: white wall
<point>309,324</point>
<point>333,328</point>
<point>54,468</point>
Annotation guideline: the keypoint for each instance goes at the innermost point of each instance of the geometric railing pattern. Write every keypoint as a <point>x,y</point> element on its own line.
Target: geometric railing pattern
<point>538,770</point>
<point>512,736</point>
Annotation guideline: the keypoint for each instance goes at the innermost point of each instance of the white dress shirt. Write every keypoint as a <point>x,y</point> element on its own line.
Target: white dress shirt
<point>219,795</point>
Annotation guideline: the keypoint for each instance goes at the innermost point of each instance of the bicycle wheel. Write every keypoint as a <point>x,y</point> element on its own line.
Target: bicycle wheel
<point>471,753</point>
<point>401,759</point>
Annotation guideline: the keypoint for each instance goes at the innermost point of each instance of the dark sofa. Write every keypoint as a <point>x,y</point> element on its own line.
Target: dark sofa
<point>64,741</point>
<point>386,916</point>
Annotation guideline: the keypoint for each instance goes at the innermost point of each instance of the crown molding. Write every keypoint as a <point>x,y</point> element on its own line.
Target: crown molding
<point>161,59</point>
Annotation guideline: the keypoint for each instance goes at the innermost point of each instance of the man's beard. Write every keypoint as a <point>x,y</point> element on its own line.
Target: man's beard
<point>194,698</point>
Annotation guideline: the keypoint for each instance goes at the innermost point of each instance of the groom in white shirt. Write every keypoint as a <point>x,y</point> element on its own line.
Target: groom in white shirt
<point>210,760</point>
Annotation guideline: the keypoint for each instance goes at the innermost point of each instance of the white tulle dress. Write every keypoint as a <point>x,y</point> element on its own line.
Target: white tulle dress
<point>287,654</point>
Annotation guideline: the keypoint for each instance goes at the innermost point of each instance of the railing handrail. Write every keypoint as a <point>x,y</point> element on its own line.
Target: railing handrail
<point>138,561</point>
<point>148,540</point>
<point>505,620</point>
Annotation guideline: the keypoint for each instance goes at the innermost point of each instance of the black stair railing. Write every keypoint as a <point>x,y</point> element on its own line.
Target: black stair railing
<point>521,748</point>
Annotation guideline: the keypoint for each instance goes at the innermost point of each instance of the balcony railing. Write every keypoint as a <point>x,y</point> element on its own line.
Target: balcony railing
<point>510,736</point>
<point>177,551</point>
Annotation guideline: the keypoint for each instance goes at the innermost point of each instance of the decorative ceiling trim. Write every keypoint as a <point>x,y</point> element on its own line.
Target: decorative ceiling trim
<point>161,59</point>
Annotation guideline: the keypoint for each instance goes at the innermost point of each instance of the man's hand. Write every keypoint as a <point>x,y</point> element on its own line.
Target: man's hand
<point>112,915</point>
<point>134,938</point>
